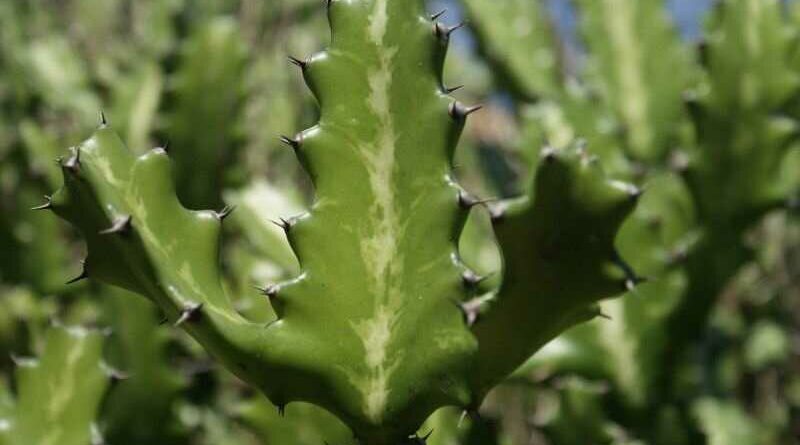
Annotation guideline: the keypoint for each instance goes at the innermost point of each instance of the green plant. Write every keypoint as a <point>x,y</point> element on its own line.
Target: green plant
<point>380,326</point>
<point>58,395</point>
<point>713,136</point>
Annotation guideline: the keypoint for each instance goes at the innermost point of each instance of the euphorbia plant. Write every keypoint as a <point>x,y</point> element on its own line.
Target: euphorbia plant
<point>381,326</point>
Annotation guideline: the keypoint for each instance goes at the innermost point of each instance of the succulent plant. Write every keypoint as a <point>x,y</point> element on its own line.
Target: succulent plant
<point>382,326</point>
<point>58,394</point>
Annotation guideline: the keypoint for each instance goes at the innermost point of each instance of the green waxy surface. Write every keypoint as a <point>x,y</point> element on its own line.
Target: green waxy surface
<point>373,327</point>
<point>560,260</point>
<point>58,394</point>
<point>640,70</point>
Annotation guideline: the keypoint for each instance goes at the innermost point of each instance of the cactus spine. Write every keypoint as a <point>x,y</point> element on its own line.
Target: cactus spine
<point>380,326</point>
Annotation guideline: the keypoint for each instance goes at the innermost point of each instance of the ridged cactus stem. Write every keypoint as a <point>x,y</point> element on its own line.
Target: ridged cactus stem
<point>556,267</point>
<point>377,327</point>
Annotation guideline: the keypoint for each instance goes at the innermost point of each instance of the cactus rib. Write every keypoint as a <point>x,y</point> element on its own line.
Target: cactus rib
<point>368,329</point>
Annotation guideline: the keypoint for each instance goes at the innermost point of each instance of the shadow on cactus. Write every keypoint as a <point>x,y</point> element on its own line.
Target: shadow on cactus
<point>383,324</point>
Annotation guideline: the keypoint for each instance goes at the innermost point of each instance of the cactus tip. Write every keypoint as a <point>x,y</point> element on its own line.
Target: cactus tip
<point>459,111</point>
<point>467,201</point>
<point>48,204</point>
<point>270,290</point>
<point>292,142</point>
<point>164,148</point>
<point>472,280</point>
<point>225,212</point>
<point>471,310</point>
<point>420,440</point>
<point>83,275</point>
<point>73,164</point>
<point>189,313</point>
<point>549,153</point>
<point>300,63</point>
<point>283,223</point>
<point>114,374</point>
<point>121,225</point>
<point>443,32</point>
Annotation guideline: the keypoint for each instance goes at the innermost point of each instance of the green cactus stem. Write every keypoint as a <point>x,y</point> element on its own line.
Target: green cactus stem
<point>377,328</point>
<point>58,394</point>
<point>639,67</point>
<point>743,138</point>
<point>516,36</point>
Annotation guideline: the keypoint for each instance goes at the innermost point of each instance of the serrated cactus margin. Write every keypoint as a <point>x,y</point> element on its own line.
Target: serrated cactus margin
<point>378,326</point>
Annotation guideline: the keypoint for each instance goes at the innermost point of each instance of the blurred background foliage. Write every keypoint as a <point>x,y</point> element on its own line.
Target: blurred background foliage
<point>696,101</point>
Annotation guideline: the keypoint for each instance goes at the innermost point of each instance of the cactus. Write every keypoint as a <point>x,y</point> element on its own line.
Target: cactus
<point>57,395</point>
<point>141,408</point>
<point>740,163</point>
<point>380,326</point>
<point>303,424</point>
<point>203,123</point>
<point>744,135</point>
<point>640,69</point>
<point>516,36</point>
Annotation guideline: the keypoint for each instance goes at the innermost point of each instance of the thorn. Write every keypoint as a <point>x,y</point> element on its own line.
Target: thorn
<point>444,32</point>
<point>438,15</point>
<point>471,310</point>
<point>453,89</point>
<point>121,225</point>
<point>190,313</point>
<point>467,201</point>
<point>630,284</point>
<point>292,142</point>
<point>103,121</point>
<point>459,111</point>
<point>602,314</point>
<point>631,279</point>
<point>421,440</point>
<point>270,291</point>
<point>472,280</point>
<point>635,192</point>
<point>73,164</point>
<point>222,214</point>
<point>281,409</point>
<point>284,224</point>
<point>303,64</point>
<point>164,147</point>
<point>497,214</point>
<point>84,274</point>
<point>19,361</point>
<point>48,204</point>
<point>114,374</point>
<point>549,153</point>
